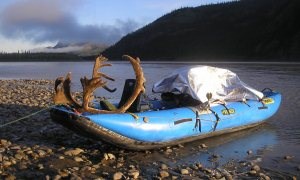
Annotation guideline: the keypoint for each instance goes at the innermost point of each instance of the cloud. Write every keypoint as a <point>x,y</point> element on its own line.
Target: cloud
<point>52,20</point>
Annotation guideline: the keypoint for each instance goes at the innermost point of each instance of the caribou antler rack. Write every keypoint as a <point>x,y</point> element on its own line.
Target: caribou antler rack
<point>63,93</point>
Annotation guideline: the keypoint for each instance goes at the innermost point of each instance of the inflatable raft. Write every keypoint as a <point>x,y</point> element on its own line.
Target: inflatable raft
<point>163,124</point>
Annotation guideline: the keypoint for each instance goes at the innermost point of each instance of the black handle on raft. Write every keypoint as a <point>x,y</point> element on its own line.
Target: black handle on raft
<point>198,121</point>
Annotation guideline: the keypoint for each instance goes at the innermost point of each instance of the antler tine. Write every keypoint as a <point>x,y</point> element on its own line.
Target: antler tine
<point>99,64</point>
<point>58,83</point>
<point>89,86</point>
<point>140,80</point>
<point>63,91</point>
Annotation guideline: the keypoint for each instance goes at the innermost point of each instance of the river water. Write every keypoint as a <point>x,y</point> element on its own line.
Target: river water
<point>270,143</point>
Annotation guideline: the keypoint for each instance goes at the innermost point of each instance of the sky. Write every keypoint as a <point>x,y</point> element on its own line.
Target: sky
<point>30,24</point>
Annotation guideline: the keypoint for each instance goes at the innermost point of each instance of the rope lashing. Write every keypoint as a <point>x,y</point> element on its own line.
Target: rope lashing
<point>25,117</point>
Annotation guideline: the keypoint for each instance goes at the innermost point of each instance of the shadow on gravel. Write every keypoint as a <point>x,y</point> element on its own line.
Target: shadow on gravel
<point>37,129</point>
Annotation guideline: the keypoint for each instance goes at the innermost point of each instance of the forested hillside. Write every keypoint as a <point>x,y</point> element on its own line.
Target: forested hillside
<point>246,29</point>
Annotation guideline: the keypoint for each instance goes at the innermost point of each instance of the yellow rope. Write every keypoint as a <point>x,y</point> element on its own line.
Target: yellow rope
<point>32,114</point>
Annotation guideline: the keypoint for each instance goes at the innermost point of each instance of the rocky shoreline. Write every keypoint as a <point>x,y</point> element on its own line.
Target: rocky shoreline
<point>37,148</point>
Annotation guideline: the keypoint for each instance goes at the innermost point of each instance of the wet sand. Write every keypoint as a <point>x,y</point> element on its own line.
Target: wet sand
<point>37,148</point>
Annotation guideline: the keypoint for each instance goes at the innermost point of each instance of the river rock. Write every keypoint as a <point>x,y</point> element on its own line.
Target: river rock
<point>287,157</point>
<point>5,143</point>
<point>252,172</point>
<point>164,167</point>
<point>19,156</point>
<point>57,177</point>
<point>118,175</point>
<point>264,177</point>
<point>10,177</point>
<point>164,174</point>
<point>64,173</point>
<point>199,165</point>
<point>133,173</point>
<point>7,163</point>
<point>40,166</point>
<point>255,168</point>
<point>109,156</point>
<point>61,157</point>
<point>16,147</point>
<point>73,152</point>
<point>184,171</point>
<point>203,146</point>
<point>41,153</point>
<point>168,151</point>
<point>78,159</point>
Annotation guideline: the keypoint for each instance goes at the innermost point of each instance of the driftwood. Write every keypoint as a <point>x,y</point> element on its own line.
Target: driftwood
<point>64,96</point>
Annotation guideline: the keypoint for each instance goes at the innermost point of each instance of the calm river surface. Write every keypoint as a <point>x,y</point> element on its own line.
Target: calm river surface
<point>279,137</point>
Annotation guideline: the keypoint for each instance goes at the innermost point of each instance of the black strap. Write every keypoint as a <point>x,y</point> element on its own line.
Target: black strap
<point>217,119</point>
<point>198,121</point>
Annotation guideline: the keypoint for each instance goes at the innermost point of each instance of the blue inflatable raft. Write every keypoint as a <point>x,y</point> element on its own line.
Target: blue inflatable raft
<point>165,125</point>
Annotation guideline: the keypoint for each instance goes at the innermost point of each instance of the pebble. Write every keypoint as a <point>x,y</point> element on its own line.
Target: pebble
<point>288,157</point>
<point>57,177</point>
<point>184,171</point>
<point>265,177</point>
<point>18,156</point>
<point>10,177</point>
<point>120,164</point>
<point>78,159</point>
<point>133,173</point>
<point>203,146</point>
<point>164,174</point>
<point>15,147</point>
<point>5,143</point>
<point>63,173</point>
<point>111,156</point>
<point>61,157</point>
<point>164,167</point>
<point>180,146</point>
<point>73,152</point>
<point>199,165</point>
<point>6,163</point>
<point>40,166</point>
<point>218,175</point>
<point>255,168</point>
<point>168,151</point>
<point>252,172</point>
<point>118,175</point>
<point>41,153</point>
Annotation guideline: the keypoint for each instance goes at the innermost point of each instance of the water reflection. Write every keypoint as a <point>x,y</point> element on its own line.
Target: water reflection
<point>233,146</point>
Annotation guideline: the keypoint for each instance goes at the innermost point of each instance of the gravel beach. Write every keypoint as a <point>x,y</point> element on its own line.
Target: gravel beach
<point>37,148</point>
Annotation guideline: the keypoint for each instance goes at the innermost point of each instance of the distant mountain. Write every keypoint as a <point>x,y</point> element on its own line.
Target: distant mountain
<point>264,29</point>
<point>81,49</point>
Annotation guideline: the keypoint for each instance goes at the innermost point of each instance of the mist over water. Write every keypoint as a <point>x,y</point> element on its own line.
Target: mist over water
<point>278,137</point>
